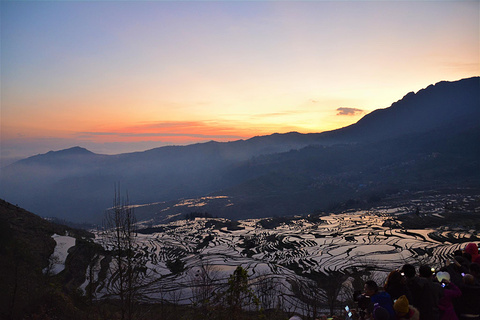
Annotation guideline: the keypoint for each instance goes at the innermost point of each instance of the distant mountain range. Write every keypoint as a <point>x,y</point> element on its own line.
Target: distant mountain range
<point>426,140</point>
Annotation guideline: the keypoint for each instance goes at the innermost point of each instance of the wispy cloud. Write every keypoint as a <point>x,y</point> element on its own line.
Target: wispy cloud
<point>158,134</point>
<point>271,114</point>
<point>285,113</point>
<point>201,130</point>
<point>343,111</point>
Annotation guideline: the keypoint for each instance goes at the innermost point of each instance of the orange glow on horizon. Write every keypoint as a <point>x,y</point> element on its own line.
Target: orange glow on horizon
<point>115,76</point>
<point>180,132</point>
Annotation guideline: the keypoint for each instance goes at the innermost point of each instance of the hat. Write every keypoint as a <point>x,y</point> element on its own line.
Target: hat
<point>472,248</point>
<point>443,275</point>
<point>401,306</point>
<point>380,313</point>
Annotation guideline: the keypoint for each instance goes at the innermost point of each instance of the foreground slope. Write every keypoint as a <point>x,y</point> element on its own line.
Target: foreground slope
<point>29,275</point>
<point>175,258</point>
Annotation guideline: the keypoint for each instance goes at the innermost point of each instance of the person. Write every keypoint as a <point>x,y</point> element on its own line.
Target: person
<point>396,286</point>
<point>469,302</point>
<point>419,288</point>
<point>404,310</point>
<point>382,298</point>
<point>363,304</point>
<point>451,291</point>
<point>474,270</point>
<point>380,313</point>
<point>456,268</point>
<point>432,295</point>
<point>472,249</point>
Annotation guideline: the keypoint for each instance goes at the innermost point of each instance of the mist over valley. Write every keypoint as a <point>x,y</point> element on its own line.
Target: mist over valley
<point>427,140</point>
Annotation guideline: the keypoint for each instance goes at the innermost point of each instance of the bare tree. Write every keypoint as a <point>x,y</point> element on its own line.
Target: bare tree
<point>120,235</point>
<point>318,291</point>
<point>332,284</point>
<point>309,294</point>
<point>268,289</point>
<point>203,283</point>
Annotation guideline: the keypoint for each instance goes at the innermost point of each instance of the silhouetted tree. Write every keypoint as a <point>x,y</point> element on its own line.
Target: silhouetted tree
<point>268,290</point>
<point>239,295</point>
<point>204,283</point>
<point>126,267</point>
<point>319,290</point>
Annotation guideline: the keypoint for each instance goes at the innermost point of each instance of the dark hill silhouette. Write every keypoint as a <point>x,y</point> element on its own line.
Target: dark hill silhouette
<point>269,172</point>
<point>322,178</point>
<point>430,108</point>
<point>26,244</point>
<point>71,154</point>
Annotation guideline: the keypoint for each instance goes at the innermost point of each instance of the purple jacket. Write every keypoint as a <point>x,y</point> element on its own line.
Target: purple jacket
<point>446,304</point>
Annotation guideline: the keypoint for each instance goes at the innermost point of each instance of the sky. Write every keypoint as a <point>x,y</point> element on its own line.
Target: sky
<point>124,76</point>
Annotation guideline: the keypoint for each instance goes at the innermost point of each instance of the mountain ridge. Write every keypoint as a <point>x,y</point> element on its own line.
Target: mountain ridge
<point>78,183</point>
<point>296,137</point>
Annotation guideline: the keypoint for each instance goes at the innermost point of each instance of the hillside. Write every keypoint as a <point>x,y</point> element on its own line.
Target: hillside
<point>436,106</point>
<point>26,247</point>
<point>429,138</point>
<point>318,178</point>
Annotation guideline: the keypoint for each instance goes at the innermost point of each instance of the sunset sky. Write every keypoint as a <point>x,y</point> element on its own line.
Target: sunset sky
<point>122,76</point>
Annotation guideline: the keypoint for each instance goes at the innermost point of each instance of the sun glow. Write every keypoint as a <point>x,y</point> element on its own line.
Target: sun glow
<point>181,72</point>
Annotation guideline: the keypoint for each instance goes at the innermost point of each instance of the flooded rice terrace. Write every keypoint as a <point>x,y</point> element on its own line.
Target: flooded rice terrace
<point>287,249</point>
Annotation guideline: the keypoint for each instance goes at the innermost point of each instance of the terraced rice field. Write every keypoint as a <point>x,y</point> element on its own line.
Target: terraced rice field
<point>331,244</point>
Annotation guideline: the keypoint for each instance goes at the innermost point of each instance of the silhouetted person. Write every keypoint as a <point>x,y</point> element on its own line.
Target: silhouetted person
<point>450,292</point>
<point>472,249</point>
<point>396,286</point>
<point>380,313</point>
<point>475,272</point>
<point>458,267</point>
<point>469,302</point>
<point>379,298</point>
<point>432,294</point>
<point>418,288</point>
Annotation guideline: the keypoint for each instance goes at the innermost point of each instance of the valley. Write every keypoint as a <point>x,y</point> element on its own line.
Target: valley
<point>350,243</point>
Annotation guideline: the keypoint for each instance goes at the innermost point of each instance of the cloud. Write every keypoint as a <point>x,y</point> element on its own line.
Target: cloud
<point>159,134</point>
<point>198,130</point>
<point>272,114</point>
<point>285,113</point>
<point>343,111</point>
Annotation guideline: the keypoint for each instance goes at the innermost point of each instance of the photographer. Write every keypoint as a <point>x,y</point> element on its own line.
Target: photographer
<point>363,302</point>
<point>450,292</point>
<point>382,298</point>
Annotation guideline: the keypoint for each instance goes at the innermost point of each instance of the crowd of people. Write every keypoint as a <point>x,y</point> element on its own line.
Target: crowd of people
<point>451,293</point>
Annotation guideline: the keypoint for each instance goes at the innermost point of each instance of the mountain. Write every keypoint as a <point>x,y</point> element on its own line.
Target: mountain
<point>435,106</point>
<point>428,139</point>
<point>327,178</point>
